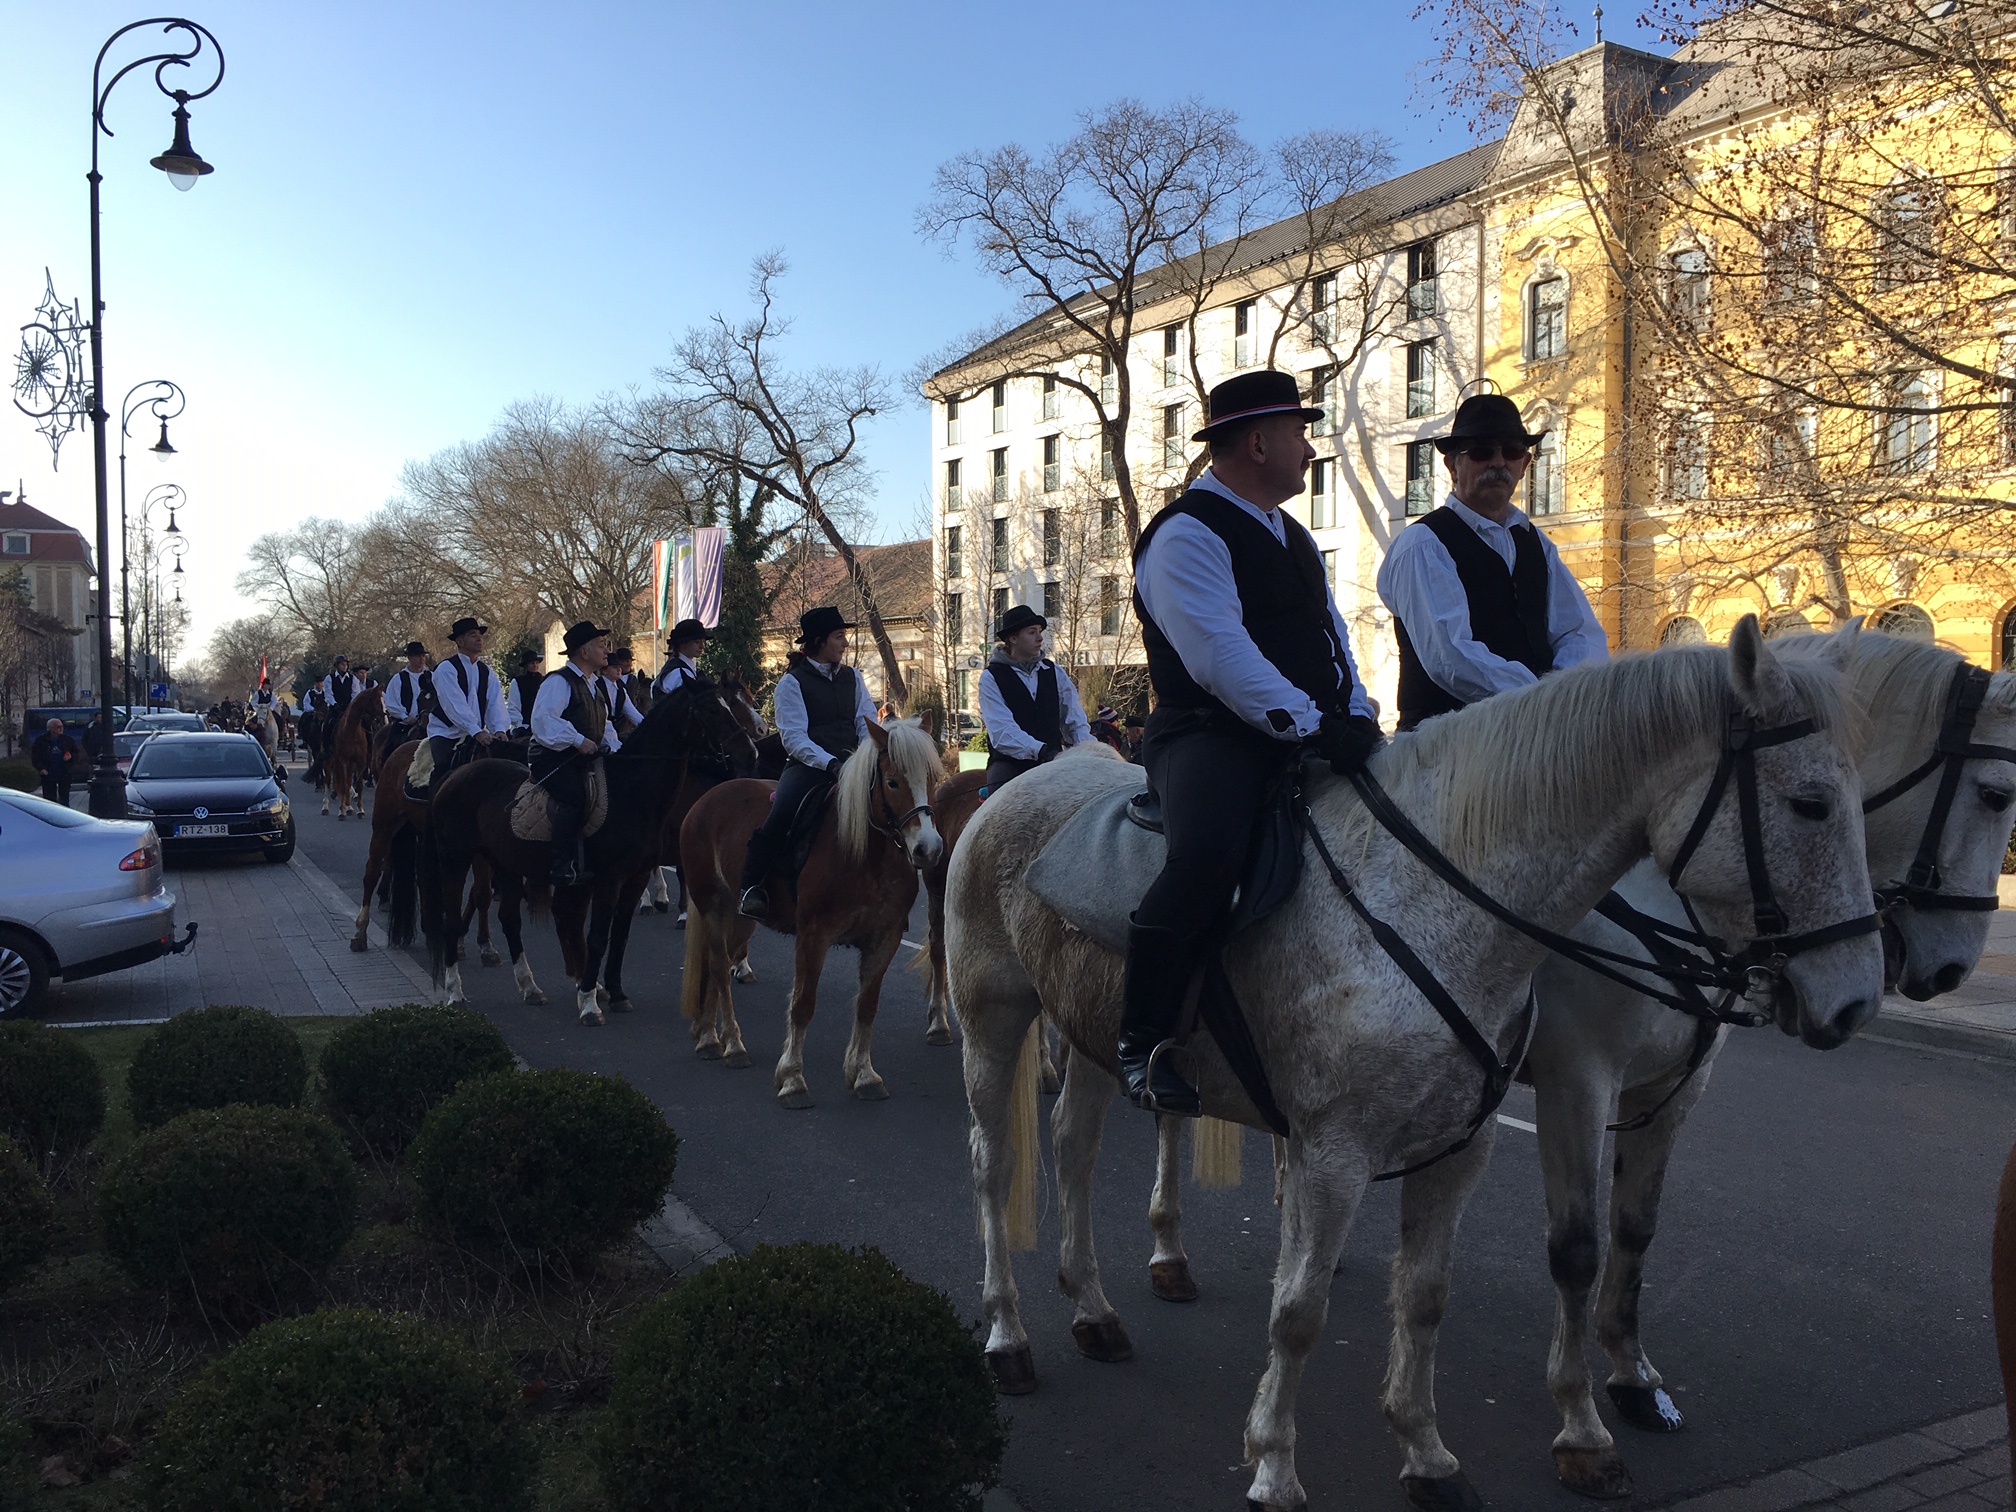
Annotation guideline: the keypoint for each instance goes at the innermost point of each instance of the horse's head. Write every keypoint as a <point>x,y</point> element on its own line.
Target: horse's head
<point>742,704</point>
<point>1766,845</point>
<point>886,785</point>
<point>696,723</point>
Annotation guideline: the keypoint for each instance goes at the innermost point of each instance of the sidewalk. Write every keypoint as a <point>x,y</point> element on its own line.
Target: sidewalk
<point>273,937</point>
<point>1980,1016</point>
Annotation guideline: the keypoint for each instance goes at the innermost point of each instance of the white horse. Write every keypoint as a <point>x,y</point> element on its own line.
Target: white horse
<point>1544,797</point>
<point>264,728</point>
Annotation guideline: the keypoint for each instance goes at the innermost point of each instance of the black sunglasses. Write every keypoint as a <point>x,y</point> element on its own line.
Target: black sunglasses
<point>1491,451</point>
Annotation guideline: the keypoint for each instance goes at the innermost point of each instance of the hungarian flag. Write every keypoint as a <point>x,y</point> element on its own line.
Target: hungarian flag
<point>262,669</point>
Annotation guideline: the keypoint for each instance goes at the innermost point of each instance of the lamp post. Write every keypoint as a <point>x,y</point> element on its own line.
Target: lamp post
<point>183,167</point>
<point>165,402</point>
<point>169,497</point>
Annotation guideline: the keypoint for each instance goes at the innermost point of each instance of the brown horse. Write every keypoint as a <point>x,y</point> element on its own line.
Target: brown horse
<point>398,828</point>
<point>687,740</point>
<point>856,889</point>
<point>348,759</point>
<point>769,763</point>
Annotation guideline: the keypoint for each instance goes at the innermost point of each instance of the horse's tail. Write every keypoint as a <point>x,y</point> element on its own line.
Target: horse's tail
<point>1214,1153</point>
<point>1022,1143</point>
<point>405,884</point>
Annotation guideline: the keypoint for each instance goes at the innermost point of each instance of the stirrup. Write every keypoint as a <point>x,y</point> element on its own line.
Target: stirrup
<point>1149,1102</point>
<point>755,894</point>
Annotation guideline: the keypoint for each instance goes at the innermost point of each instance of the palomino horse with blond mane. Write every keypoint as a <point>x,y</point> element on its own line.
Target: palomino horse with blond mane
<point>856,888</point>
<point>1543,799</point>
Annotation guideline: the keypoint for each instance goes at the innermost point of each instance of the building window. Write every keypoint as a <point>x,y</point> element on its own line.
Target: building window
<point>1904,430</point>
<point>1683,630</point>
<point>2009,642</point>
<point>955,618</point>
<point>1319,494</point>
<point>1109,606</point>
<point>1330,570</point>
<point>951,422</point>
<point>1053,537</point>
<point>1109,527</point>
<point>1051,469</point>
<point>1000,406</point>
<point>1906,235</point>
<point>1789,441</point>
<point>1245,333</point>
<point>1544,480</point>
<point>1053,599</point>
<point>1420,477</point>
<point>1106,456</point>
<point>1688,284</point>
<point>998,556</point>
<point>1687,458</point>
<point>953,497</point>
<point>955,559</point>
<point>14,545</point>
<point>1001,476</point>
<point>1547,318</point>
<point>1322,396</point>
<point>1420,379</point>
<point>1172,364</point>
<point>1791,260</point>
<point>1000,606</point>
<point>1172,435</point>
<point>1422,302</point>
<point>1905,620</point>
<point>1323,308</point>
<point>1109,384</point>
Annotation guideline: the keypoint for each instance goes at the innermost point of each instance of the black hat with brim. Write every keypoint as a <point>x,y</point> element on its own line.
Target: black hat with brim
<point>621,654</point>
<point>1253,396</point>
<point>1020,617</point>
<point>464,625</point>
<point>687,630</point>
<point>581,632</point>
<point>814,625</point>
<point>1486,417</point>
<point>414,648</point>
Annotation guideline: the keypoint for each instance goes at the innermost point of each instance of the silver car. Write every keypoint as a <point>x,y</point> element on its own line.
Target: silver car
<point>78,897</point>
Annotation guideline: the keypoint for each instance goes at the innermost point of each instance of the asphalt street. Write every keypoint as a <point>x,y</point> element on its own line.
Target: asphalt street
<point>1819,1280</point>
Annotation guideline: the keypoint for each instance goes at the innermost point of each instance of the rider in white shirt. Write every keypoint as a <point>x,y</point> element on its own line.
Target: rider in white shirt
<point>570,721</point>
<point>1027,701</point>
<point>468,708</point>
<point>341,685</point>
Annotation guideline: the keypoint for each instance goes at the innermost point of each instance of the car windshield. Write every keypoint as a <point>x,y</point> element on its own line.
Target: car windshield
<point>167,722</point>
<point>125,743</point>
<point>43,809</point>
<point>172,759</point>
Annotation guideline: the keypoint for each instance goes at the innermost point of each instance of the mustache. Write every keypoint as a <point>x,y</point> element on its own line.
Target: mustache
<point>1496,475</point>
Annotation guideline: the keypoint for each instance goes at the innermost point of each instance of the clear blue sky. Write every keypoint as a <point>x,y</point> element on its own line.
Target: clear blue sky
<point>423,211</point>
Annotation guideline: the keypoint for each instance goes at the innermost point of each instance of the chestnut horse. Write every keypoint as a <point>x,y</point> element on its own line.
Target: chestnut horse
<point>856,889</point>
<point>687,740</point>
<point>398,829</point>
<point>348,760</point>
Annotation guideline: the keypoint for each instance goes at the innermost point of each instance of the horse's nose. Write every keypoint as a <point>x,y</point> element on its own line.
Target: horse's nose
<point>1839,1027</point>
<point>1949,976</point>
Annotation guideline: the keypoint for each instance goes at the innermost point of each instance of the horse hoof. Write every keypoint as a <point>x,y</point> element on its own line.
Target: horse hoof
<point>711,1050</point>
<point>797,1099</point>
<point>591,1018</point>
<point>938,1036</point>
<point>1014,1370</point>
<point>535,997</point>
<point>1171,1280</point>
<point>665,907</point>
<point>359,943</point>
<point>602,997</point>
<point>743,972</point>
<point>1442,1493</point>
<point>1595,1473</point>
<point>1646,1407</point>
<point>1105,1341</point>
<point>737,1060</point>
<point>870,1089</point>
<point>489,957</point>
<point>621,1005</point>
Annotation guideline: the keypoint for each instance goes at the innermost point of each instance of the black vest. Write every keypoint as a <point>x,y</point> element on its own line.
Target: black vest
<point>414,689</point>
<point>528,689</point>
<point>585,709</point>
<point>1041,714</point>
<point>1508,611</point>
<point>1284,603</point>
<point>339,691</point>
<point>829,707</point>
<point>462,681</point>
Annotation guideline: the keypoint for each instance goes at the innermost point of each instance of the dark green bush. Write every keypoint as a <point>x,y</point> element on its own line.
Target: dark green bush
<point>806,1376</point>
<point>25,1211</point>
<point>543,1164</point>
<point>240,1203</point>
<point>52,1097</point>
<point>17,1485</point>
<point>345,1411</point>
<point>19,773</point>
<point>214,1057</point>
<point>383,1072</point>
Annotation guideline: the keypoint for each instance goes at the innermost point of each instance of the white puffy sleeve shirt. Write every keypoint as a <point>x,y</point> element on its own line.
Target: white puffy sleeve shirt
<point>550,726</point>
<point>457,715</point>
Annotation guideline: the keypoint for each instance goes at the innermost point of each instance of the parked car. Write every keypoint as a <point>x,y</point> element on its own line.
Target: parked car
<point>74,716</point>
<point>125,743</point>
<point>211,792</point>
<point>167,719</point>
<point>78,897</point>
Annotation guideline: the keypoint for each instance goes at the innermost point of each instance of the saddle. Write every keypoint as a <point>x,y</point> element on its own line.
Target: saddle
<point>804,830</point>
<point>532,807</point>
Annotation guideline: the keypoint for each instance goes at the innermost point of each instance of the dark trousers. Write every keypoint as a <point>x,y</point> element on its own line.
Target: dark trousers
<point>449,753</point>
<point>56,787</point>
<point>1001,770</point>
<point>1213,774</point>
<point>797,782</point>
<point>563,774</point>
<point>394,736</point>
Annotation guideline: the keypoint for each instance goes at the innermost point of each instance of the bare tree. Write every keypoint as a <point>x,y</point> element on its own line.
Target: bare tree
<point>238,649</point>
<point>312,578</point>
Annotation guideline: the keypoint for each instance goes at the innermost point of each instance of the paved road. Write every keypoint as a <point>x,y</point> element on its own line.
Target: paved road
<point>1820,1282</point>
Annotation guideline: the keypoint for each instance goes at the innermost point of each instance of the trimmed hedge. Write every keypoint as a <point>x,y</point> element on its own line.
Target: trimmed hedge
<point>240,1203</point>
<point>25,1213</point>
<point>543,1164</point>
<point>20,774</point>
<point>801,1376</point>
<point>52,1096</point>
<point>383,1073</point>
<point>345,1411</point>
<point>212,1058</point>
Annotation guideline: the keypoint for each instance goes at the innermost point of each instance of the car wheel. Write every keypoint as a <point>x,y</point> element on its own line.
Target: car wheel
<point>24,973</point>
<point>284,851</point>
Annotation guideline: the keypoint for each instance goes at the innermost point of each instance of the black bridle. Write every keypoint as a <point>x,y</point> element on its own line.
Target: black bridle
<point>897,822</point>
<point>1922,885</point>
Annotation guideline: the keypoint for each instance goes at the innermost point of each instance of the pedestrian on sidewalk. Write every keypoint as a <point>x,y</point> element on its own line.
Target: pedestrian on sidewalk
<point>54,755</point>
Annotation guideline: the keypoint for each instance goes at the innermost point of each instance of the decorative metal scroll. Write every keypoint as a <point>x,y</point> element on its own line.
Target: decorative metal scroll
<point>52,384</point>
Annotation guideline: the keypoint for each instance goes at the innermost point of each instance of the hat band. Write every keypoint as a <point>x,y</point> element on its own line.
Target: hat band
<point>1265,409</point>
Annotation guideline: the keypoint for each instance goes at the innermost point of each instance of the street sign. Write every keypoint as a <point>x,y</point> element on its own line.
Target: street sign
<point>158,692</point>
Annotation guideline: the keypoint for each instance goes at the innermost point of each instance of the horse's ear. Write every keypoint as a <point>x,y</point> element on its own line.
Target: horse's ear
<point>1839,650</point>
<point>1762,688</point>
<point>879,735</point>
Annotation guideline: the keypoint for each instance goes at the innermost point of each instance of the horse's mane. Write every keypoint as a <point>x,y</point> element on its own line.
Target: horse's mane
<point>1496,765</point>
<point>916,756</point>
<point>354,711</point>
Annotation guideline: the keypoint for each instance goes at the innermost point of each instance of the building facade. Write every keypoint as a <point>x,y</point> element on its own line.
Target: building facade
<point>50,565</point>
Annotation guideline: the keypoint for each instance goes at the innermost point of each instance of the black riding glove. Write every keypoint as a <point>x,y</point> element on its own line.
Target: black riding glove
<point>1048,752</point>
<point>1346,741</point>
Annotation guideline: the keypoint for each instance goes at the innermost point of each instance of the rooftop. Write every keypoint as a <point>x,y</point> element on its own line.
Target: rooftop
<point>899,573</point>
<point>49,539</point>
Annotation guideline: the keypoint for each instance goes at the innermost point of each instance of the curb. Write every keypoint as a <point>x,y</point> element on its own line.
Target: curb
<point>1964,1039</point>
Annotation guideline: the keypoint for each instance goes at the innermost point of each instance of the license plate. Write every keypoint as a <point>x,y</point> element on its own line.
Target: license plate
<point>198,831</point>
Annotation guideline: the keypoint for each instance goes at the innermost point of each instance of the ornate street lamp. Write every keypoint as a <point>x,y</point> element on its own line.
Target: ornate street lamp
<point>168,497</point>
<point>164,400</point>
<point>183,167</point>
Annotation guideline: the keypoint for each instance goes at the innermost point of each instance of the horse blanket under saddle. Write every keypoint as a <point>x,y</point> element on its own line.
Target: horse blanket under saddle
<point>532,808</point>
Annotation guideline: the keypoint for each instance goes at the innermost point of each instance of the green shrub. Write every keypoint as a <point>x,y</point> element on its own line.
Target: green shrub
<point>25,1212</point>
<point>803,1376</point>
<point>345,1411</point>
<point>52,1097</point>
<point>214,1057</point>
<point>382,1073</point>
<point>17,1485</point>
<point>19,773</point>
<point>543,1163</point>
<point>240,1203</point>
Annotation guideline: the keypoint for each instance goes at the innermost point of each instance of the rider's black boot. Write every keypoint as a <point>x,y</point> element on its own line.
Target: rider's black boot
<point>1159,966</point>
<point>569,867</point>
<point>755,877</point>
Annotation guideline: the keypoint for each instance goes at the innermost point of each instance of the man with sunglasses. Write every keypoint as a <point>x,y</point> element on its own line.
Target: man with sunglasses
<point>1480,600</point>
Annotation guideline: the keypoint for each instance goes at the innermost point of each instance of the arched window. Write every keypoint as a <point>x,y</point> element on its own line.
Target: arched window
<point>2008,638</point>
<point>1786,622</point>
<point>1905,620</point>
<point>1683,630</point>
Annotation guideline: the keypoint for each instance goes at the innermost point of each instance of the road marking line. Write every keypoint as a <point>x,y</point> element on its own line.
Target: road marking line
<point>1518,1123</point>
<point>913,944</point>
